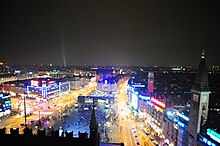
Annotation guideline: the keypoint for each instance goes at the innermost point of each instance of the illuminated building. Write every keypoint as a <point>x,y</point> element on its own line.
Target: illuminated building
<point>79,82</point>
<point>203,126</point>
<point>151,82</point>
<point>137,96</point>
<point>107,85</point>
<point>199,102</point>
<point>46,88</point>
<point>134,101</point>
<point>142,101</point>
<point>175,125</point>
<point>5,104</point>
<point>154,112</point>
<point>195,124</point>
<point>169,128</point>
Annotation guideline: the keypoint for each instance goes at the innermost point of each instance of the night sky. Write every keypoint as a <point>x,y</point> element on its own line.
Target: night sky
<point>109,32</point>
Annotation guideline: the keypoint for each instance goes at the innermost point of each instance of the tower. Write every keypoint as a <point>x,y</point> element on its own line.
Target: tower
<point>150,82</point>
<point>94,134</point>
<point>199,102</point>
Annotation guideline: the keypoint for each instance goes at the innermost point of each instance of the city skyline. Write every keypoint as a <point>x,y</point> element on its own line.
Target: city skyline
<point>133,33</point>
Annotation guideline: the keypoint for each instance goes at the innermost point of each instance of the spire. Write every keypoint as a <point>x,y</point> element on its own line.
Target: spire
<point>201,80</point>
<point>93,122</point>
<point>203,54</point>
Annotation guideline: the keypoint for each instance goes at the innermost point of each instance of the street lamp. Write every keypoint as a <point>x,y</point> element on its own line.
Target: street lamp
<point>25,116</point>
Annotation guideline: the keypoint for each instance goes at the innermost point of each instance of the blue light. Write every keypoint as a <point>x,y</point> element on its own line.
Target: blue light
<point>3,97</point>
<point>169,113</point>
<point>144,97</point>
<point>138,85</point>
<point>29,92</point>
<point>51,86</point>
<point>54,87</point>
<point>209,143</point>
<point>179,123</point>
<point>183,116</point>
<point>206,141</point>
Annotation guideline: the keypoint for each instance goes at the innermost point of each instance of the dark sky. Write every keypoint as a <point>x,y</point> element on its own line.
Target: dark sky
<point>114,32</point>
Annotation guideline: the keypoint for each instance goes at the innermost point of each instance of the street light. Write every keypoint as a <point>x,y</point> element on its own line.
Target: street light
<point>25,116</point>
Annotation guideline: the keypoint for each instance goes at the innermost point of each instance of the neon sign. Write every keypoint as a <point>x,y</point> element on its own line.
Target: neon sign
<point>45,90</point>
<point>51,82</point>
<point>138,85</point>
<point>3,97</point>
<point>158,102</point>
<point>179,123</point>
<point>182,116</point>
<point>214,135</point>
<point>144,97</point>
<point>206,141</point>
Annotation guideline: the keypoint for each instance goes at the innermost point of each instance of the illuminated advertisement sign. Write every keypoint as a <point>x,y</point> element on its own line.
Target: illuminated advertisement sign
<point>5,102</point>
<point>161,104</point>
<point>134,101</point>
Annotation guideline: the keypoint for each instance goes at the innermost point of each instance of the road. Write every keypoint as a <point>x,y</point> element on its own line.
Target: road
<point>39,109</point>
<point>122,132</point>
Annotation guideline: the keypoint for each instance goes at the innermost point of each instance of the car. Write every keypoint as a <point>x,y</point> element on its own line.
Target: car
<point>133,129</point>
<point>22,124</point>
<point>135,135</point>
<point>151,138</point>
<point>155,143</point>
<point>86,108</point>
